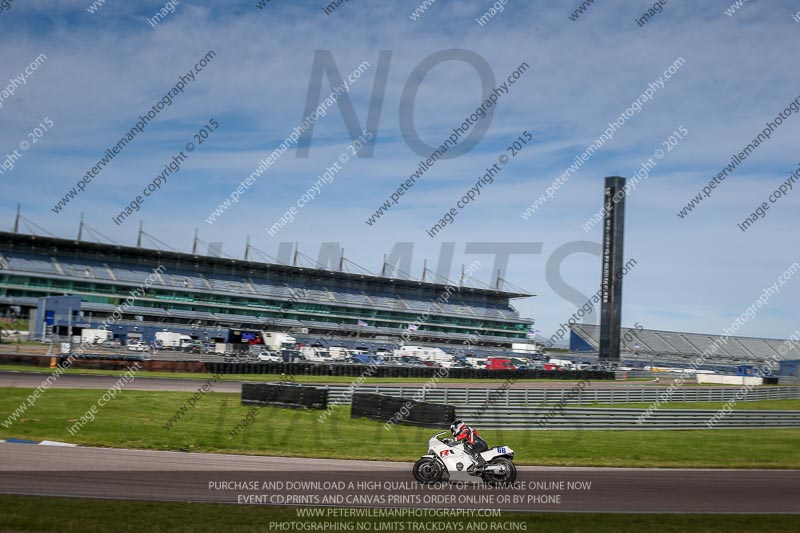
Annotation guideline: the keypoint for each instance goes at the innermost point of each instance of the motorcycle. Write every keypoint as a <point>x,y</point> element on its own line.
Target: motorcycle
<point>454,463</point>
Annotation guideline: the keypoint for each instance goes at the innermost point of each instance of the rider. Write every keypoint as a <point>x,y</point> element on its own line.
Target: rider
<point>473,443</point>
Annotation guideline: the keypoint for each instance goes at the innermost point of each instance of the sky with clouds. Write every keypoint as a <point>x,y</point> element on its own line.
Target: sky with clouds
<point>697,273</point>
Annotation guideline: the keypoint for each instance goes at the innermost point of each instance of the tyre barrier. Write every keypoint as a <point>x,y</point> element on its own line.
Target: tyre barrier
<point>284,395</point>
<point>27,360</point>
<point>401,410</point>
<point>348,370</point>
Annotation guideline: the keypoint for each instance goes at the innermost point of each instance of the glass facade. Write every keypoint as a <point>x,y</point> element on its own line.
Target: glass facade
<point>107,274</point>
<point>163,298</point>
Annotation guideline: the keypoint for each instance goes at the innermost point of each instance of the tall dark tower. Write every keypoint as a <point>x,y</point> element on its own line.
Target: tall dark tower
<point>611,280</point>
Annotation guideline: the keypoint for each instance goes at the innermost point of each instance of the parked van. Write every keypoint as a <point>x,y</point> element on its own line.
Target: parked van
<point>500,363</point>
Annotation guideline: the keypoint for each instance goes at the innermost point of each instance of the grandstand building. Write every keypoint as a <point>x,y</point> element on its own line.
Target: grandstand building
<point>678,348</point>
<point>211,297</point>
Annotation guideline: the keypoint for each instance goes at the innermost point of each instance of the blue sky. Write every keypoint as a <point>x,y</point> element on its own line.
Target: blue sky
<point>695,274</point>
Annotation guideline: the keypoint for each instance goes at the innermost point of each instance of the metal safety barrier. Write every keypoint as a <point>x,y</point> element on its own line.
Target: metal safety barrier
<point>588,395</point>
<point>548,418</point>
<point>548,409</point>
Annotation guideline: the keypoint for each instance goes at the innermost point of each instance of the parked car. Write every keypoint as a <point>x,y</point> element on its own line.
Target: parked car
<point>270,357</point>
<point>137,347</point>
<point>194,347</point>
<point>520,364</point>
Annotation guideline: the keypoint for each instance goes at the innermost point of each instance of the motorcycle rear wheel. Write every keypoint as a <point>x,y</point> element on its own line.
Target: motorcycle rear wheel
<point>508,477</point>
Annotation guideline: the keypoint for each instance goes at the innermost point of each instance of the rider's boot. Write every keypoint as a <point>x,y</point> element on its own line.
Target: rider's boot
<point>478,457</point>
<point>480,463</point>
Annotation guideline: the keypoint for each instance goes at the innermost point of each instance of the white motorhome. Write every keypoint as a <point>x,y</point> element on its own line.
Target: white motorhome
<point>221,348</point>
<point>317,354</point>
<point>170,339</point>
<point>526,348</point>
<point>339,353</point>
<point>477,362</point>
<point>433,355</point>
<point>95,336</point>
<point>563,363</point>
<point>276,341</point>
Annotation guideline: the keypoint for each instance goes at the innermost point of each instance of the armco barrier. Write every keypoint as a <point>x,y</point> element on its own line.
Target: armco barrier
<point>311,369</point>
<point>494,395</point>
<point>527,418</point>
<point>386,408</point>
<point>283,395</point>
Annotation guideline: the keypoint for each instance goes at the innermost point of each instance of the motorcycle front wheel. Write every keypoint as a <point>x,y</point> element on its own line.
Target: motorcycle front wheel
<point>427,470</point>
<point>509,476</point>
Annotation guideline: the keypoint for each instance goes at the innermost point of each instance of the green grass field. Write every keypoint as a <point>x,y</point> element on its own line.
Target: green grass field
<point>135,419</point>
<point>18,324</point>
<point>45,514</point>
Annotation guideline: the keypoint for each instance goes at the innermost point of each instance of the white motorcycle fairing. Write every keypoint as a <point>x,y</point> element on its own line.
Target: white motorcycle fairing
<point>458,465</point>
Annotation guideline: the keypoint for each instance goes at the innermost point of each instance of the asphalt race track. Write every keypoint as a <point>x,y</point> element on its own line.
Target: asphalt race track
<point>191,477</point>
<point>87,381</point>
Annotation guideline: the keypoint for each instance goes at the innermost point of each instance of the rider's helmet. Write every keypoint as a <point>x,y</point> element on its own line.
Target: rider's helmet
<point>456,427</point>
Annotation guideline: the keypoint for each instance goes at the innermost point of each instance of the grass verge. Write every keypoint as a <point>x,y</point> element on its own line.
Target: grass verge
<point>63,515</point>
<point>139,419</point>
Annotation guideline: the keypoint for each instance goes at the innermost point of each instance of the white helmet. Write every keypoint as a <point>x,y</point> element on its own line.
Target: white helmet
<point>456,427</point>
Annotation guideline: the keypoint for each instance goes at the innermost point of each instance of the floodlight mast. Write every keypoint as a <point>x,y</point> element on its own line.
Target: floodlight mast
<point>611,271</point>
